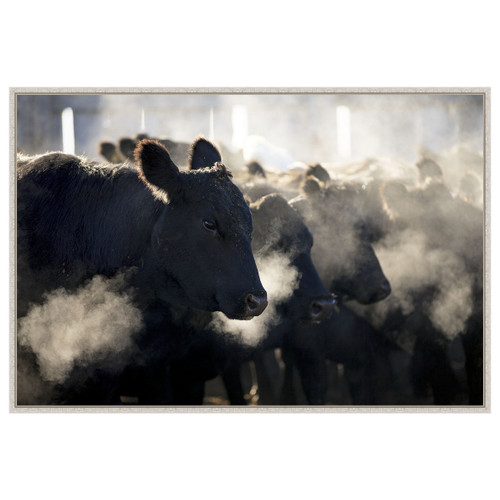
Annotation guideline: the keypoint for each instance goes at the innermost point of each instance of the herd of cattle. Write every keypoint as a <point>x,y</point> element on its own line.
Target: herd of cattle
<point>385,281</point>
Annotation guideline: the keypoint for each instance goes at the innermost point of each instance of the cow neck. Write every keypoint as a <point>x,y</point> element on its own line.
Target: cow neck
<point>123,218</point>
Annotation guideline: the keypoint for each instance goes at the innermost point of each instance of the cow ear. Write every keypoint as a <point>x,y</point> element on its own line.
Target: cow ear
<point>156,168</point>
<point>311,187</point>
<point>203,154</point>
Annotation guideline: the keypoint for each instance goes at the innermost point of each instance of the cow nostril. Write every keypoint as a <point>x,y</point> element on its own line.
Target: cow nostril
<point>320,309</point>
<point>383,291</point>
<point>256,304</point>
<point>252,302</point>
<point>385,288</point>
<point>316,309</point>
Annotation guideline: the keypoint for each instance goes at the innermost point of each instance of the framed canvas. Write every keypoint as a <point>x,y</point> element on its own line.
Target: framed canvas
<point>250,249</point>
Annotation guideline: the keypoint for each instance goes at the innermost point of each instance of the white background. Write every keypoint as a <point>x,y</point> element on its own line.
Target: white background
<point>224,43</point>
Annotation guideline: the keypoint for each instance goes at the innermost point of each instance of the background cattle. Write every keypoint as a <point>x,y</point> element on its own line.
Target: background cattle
<point>178,151</point>
<point>438,302</point>
<point>348,265</point>
<point>423,343</point>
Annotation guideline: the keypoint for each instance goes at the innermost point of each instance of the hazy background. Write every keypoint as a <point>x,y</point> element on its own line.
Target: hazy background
<point>308,127</point>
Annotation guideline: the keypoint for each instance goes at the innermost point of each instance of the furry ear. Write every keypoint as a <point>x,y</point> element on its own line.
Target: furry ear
<point>156,168</point>
<point>203,154</point>
<point>255,169</point>
<point>319,172</point>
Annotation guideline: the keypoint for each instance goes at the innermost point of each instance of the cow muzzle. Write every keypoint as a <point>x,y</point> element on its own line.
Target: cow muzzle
<point>384,290</point>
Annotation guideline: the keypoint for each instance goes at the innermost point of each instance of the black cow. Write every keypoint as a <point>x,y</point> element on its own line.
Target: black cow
<point>279,229</point>
<point>346,262</point>
<point>447,232</point>
<point>126,148</point>
<point>342,253</point>
<point>255,169</point>
<point>187,234</point>
<point>108,151</point>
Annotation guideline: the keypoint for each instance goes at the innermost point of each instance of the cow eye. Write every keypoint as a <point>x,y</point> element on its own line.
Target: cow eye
<point>210,225</point>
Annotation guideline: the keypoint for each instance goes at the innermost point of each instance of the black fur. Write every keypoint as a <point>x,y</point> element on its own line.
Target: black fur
<point>77,218</point>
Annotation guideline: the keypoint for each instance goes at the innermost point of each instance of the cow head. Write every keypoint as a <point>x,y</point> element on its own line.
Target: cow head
<point>342,253</point>
<point>201,243</point>
<point>279,229</point>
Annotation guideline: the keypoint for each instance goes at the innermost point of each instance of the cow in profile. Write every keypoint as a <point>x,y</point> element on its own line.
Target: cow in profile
<point>343,253</point>
<point>186,235</point>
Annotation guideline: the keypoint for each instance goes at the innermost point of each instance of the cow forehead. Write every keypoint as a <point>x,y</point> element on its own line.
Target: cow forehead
<point>277,223</point>
<point>214,188</point>
<point>341,210</point>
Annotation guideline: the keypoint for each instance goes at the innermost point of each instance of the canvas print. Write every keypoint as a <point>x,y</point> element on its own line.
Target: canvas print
<point>249,248</point>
